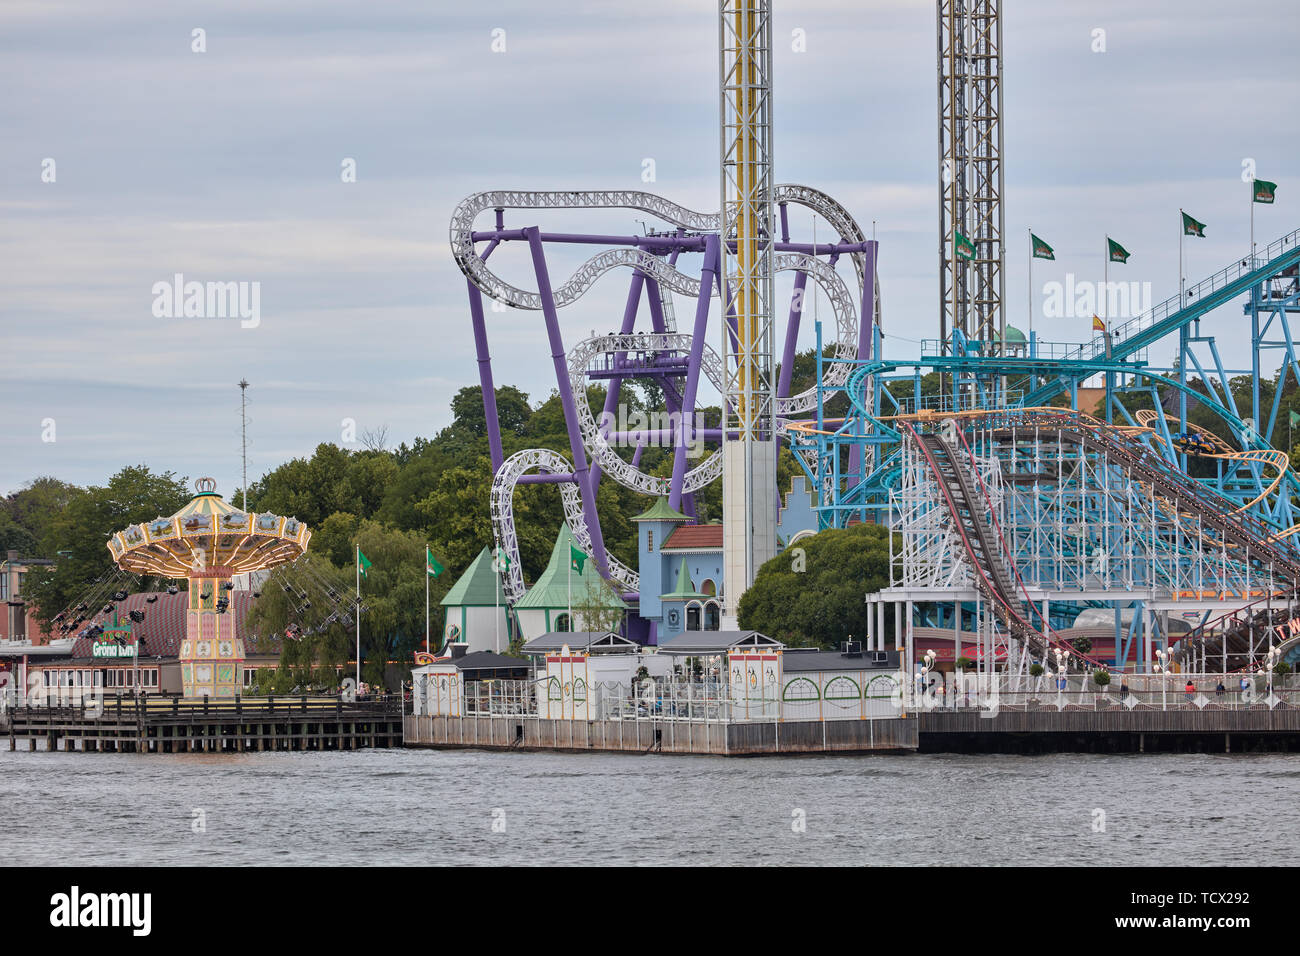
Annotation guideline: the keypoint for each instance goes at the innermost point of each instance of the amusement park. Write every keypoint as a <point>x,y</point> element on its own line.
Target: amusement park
<point>1101,525</point>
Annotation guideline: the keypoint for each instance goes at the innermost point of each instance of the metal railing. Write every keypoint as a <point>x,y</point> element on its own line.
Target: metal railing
<point>1174,304</point>
<point>1125,692</point>
<point>705,701</point>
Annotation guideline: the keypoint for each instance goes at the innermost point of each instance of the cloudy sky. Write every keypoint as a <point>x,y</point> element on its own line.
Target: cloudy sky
<point>225,165</point>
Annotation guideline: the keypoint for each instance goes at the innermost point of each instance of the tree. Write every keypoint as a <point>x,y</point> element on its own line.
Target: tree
<point>594,606</point>
<point>814,592</point>
<point>79,533</point>
<point>27,516</point>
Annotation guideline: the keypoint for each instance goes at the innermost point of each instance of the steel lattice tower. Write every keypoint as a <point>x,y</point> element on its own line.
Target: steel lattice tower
<point>749,456</point>
<point>970,170</point>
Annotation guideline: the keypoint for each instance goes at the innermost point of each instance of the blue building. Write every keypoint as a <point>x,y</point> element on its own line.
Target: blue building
<point>680,563</point>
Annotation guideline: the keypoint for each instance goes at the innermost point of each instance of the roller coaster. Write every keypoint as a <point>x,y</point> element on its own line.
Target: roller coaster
<point>1015,510</point>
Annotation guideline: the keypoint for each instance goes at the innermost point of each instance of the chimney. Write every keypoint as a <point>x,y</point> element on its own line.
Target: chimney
<point>458,650</point>
<point>852,649</point>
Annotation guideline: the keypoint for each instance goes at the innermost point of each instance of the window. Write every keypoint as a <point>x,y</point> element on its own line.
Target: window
<point>692,617</point>
<point>650,540</point>
<point>712,616</point>
<point>562,623</point>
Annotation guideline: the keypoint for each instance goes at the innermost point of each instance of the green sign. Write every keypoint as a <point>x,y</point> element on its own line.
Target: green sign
<point>114,642</point>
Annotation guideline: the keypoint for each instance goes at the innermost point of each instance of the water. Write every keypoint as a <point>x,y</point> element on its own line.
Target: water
<point>437,807</point>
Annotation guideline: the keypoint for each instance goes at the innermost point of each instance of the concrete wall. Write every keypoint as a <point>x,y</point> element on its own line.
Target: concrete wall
<point>644,736</point>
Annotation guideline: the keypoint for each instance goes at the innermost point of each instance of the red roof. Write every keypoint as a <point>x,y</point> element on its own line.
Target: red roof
<point>164,623</point>
<point>695,537</point>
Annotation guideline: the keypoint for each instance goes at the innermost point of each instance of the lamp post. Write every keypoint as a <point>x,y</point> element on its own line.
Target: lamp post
<point>1270,661</point>
<point>1163,669</point>
<point>1062,666</point>
<point>927,667</point>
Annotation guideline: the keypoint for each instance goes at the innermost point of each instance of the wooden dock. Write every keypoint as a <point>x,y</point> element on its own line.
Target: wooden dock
<point>170,725</point>
<point>648,735</point>
<point>1112,730</point>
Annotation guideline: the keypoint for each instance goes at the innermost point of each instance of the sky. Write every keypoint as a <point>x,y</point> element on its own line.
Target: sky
<point>227,165</point>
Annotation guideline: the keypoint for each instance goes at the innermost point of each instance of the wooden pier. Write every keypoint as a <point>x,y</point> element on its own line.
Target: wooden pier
<point>1112,730</point>
<point>170,725</point>
<point>648,735</point>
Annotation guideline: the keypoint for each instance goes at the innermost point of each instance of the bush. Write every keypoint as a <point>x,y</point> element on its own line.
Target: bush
<point>1101,678</point>
<point>1035,669</point>
<point>965,663</point>
<point>1282,668</point>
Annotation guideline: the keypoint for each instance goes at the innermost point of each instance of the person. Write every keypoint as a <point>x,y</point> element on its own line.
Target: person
<point>1189,691</point>
<point>1123,689</point>
<point>1220,690</point>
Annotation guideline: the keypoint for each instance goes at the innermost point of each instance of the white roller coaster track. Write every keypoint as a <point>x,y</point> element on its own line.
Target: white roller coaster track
<point>669,280</point>
<point>503,523</point>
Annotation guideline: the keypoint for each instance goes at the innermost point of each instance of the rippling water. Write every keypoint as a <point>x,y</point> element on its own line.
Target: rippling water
<point>438,807</point>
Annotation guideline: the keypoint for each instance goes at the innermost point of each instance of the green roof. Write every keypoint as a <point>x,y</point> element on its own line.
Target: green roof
<point>683,590</point>
<point>477,587</point>
<point>552,588</point>
<point>1014,336</point>
<point>660,511</point>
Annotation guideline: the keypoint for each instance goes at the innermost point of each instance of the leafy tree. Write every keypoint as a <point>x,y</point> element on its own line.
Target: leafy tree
<point>819,597</point>
<point>27,516</point>
<point>592,608</point>
<point>79,533</point>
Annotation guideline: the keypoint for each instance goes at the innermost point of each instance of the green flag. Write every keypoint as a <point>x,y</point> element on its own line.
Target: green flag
<point>1193,228</point>
<point>1264,190</point>
<point>577,558</point>
<point>432,567</point>
<point>1041,249</point>
<point>964,248</point>
<point>363,563</point>
<point>1115,251</point>
<point>1295,419</point>
<point>501,561</point>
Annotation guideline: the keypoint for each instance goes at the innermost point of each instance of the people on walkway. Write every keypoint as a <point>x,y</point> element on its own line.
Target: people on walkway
<point>1189,691</point>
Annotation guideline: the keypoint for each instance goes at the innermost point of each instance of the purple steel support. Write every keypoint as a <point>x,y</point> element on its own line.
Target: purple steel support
<point>866,332</point>
<point>581,474</point>
<point>485,375</point>
<point>686,421</point>
<point>616,383</point>
<point>547,478</point>
<point>791,335</point>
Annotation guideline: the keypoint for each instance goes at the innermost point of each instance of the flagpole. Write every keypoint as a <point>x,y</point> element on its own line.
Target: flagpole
<point>496,618</point>
<point>1030,333</point>
<point>1251,193</point>
<point>358,608</point>
<point>1182,278</point>
<point>426,597</point>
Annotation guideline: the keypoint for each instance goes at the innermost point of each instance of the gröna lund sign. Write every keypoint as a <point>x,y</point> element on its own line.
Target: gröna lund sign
<point>115,642</point>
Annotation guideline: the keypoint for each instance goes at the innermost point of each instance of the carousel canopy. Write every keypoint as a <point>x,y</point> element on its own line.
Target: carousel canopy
<point>208,534</point>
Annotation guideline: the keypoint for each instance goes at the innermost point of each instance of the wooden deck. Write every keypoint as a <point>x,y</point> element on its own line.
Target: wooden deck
<point>172,726</point>
<point>1112,730</point>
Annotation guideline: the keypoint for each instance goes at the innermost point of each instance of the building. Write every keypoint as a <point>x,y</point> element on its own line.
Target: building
<point>93,662</point>
<point>475,610</point>
<point>561,588</point>
<point>18,622</point>
<point>679,564</point>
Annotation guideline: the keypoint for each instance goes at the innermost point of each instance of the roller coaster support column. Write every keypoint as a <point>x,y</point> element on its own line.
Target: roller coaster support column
<point>485,375</point>
<point>866,337</point>
<point>699,333</point>
<point>796,312</point>
<point>616,383</point>
<point>581,473</point>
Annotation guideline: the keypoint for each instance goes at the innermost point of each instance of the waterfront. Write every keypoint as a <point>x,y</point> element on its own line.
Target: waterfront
<point>438,807</point>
